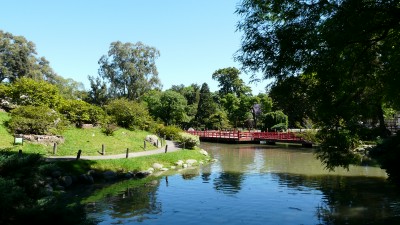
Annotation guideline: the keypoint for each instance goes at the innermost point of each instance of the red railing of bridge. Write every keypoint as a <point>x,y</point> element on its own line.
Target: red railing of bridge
<point>290,136</point>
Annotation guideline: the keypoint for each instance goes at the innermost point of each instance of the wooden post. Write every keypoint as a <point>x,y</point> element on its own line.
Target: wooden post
<point>127,152</point>
<point>166,148</point>
<point>103,149</point>
<point>144,144</point>
<point>55,148</point>
<point>78,156</point>
<point>157,143</point>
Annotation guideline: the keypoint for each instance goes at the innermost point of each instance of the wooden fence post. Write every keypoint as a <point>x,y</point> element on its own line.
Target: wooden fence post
<point>166,148</point>
<point>78,156</point>
<point>144,144</point>
<point>103,149</point>
<point>55,148</point>
<point>127,152</point>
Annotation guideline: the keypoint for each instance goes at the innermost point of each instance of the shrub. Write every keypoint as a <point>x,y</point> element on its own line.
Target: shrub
<point>188,140</point>
<point>36,120</point>
<point>80,112</point>
<point>170,132</point>
<point>336,148</point>
<point>387,153</point>
<point>26,91</point>
<point>309,135</point>
<point>129,114</point>
<point>25,199</point>
<point>275,120</point>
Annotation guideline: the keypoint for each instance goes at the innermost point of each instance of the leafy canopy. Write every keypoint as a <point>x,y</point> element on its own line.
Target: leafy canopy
<point>130,69</point>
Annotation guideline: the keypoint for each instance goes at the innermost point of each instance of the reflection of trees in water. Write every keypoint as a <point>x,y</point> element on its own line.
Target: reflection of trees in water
<point>135,201</point>
<point>206,173</point>
<point>350,200</point>
<point>189,174</point>
<point>235,158</point>
<point>228,182</point>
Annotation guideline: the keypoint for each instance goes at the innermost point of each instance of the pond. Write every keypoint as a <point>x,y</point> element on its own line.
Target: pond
<point>255,184</point>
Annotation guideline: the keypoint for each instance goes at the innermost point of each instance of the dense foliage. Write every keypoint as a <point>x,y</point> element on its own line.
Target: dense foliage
<point>36,120</point>
<point>343,55</point>
<point>128,114</point>
<point>25,198</point>
<point>130,69</point>
<point>387,152</point>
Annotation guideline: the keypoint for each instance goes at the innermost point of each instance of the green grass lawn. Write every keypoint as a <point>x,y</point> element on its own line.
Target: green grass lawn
<point>6,139</point>
<point>89,140</point>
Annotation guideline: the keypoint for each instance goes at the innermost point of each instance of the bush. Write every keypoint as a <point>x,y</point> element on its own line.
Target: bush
<point>36,120</point>
<point>188,140</point>
<point>26,91</point>
<point>309,135</point>
<point>336,148</point>
<point>25,198</point>
<point>80,112</point>
<point>275,120</point>
<point>170,132</point>
<point>387,153</point>
<point>129,114</point>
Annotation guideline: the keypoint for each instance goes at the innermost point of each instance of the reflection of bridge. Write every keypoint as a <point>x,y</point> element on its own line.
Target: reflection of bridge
<point>250,137</point>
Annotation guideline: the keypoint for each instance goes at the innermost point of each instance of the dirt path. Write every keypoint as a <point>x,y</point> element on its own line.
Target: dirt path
<point>172,147</point>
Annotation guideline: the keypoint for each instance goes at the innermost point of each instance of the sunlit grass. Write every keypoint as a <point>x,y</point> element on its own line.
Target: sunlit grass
<point>6,139</point>
<point>90,141</point>
<point>131,164</point>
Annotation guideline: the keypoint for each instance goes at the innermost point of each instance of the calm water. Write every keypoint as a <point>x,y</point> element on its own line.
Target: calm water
<point>254,184</point>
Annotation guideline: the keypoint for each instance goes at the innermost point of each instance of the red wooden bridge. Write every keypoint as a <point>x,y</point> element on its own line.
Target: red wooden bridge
<point>250,137</point>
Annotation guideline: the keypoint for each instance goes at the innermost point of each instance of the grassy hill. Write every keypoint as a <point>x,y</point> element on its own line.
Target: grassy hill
<point>89,140</point>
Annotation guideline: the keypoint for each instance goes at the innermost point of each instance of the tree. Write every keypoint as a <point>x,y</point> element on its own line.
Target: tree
<point>350,48</point>
<point>98,91</point>
<point>36,120</point>
<point>69,88</point>
<point>153,103</point>
<point>130,69</point>
<point>260,105</point>
<point>229,82</point>
<point>80,112</point>
<point>26,91</point>
<point>350,54</point>
<point>18,59</point>
<point>291,95</point>
<point>172,108</point>
<point>192,95</point>
<point>129,114</point>
<point>206,107</point>
<point>276,120</point>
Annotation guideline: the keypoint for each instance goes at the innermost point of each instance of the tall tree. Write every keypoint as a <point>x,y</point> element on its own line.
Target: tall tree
<point>130,69</point>
<point>292,97</point>
<point>206,107</point>
<point>18,58</point>
<point>230,82</point>
<point>350,47</point>
<point>172,108</point>
<point>98,94</point>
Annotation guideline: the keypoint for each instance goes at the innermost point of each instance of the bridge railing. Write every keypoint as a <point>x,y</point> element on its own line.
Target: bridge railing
<point>247,135</point>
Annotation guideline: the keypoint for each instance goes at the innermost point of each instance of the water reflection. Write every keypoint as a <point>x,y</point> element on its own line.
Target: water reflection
<point>254,184</point>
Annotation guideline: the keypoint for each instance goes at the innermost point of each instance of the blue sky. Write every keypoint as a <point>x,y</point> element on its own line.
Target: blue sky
<point>194,37</point>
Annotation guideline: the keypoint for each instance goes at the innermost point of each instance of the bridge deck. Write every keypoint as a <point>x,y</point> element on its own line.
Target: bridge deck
<point>249,137</point>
